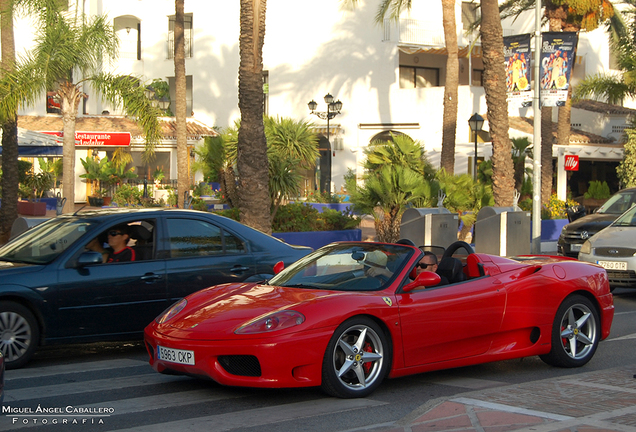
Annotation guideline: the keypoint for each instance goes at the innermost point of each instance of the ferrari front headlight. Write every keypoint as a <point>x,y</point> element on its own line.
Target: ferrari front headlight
<point>275,321</point>
<point>171,311</point>
<point>586,248</point>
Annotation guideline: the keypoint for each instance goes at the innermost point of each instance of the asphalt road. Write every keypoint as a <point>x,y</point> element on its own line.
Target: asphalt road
<point>117,390</point>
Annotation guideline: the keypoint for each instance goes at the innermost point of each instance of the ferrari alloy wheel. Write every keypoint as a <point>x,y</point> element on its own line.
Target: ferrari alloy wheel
<point>356,360</point>
<point>575,333</point>
<point>19,334</point>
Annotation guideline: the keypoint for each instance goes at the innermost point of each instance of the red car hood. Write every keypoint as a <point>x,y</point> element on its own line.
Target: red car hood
<point>215,313</point>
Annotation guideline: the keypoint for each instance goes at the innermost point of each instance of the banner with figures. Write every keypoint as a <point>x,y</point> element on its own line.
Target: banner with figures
<point>557,58</point>
<point>517,57</point>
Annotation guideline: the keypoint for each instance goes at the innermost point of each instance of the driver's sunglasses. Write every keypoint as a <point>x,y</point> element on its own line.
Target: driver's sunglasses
<point>114,233</point>
<point>424,266</point>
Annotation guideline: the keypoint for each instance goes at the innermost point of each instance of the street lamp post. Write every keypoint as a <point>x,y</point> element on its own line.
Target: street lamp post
<point>476,122</point>
<point>333,109</point>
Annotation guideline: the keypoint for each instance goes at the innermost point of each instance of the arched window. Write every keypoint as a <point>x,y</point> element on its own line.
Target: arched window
<point>385,135</point>
<point>128,29</point>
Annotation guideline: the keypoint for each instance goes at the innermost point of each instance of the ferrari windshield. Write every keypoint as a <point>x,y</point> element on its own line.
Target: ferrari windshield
<point>346,267</point>
<point>43,243</point>
<point>627,219</point>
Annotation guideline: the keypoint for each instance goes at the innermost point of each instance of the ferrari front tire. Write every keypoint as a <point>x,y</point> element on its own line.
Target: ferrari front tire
<point>575,333</point>
<point>356,360</point>
<point>19,334</point>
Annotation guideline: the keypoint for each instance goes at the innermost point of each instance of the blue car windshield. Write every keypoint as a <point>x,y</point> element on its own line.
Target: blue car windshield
<point>45,242</point>
<point>346,267</point>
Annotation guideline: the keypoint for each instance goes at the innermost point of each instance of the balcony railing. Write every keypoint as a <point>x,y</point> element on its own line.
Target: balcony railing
<point>416,32</point>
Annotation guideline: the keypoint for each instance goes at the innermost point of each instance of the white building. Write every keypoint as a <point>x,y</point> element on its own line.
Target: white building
<point>388,78</point>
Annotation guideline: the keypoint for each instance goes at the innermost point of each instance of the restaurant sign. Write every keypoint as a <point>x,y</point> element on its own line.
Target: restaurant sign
<point>98,139</point>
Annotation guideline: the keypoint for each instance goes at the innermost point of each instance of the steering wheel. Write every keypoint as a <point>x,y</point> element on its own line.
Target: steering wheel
<point>450,250</point>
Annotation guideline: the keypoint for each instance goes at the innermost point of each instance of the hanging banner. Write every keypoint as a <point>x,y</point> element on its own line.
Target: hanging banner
<point>517,57</point>
<point>557,57</point>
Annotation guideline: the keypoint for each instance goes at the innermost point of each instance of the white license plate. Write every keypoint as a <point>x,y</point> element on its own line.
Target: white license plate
<point>575,247</point>
<point>613,265</point>
<point>175,355</point>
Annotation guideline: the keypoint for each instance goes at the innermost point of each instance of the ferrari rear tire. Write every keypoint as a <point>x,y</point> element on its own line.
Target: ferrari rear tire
<point>19,334</point>
<point>575,333</point>
<point>356,360</point>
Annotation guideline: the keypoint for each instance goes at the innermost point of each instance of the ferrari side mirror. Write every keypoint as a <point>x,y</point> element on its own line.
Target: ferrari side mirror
<point>424,279</point>
<point>278,267</point>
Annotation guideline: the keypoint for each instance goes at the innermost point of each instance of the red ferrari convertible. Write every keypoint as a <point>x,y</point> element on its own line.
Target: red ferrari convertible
<point>350,314</point>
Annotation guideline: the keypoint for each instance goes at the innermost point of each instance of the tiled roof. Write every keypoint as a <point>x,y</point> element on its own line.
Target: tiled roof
<point>525,124</point>
<point>602,107</point>
<point>111,123</point>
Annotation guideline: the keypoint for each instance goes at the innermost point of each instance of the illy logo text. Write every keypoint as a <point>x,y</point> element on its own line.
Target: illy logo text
<point>571,162</point>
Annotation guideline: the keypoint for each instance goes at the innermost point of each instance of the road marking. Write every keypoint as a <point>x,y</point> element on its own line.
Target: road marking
<point>261,416</point>
<point>147,403</point>
<point>507,408</point>
<point>471,383</point>
<point>89,386</point>
<point>631,336</point>
<point>72,368</point>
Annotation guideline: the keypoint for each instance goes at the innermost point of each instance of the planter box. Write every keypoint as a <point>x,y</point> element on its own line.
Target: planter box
<point>95,202</point>
<point>592,204</point>
<point>160,194</point>
<point>551,229</point>
<point>318,239</point>
<point>29,208</point>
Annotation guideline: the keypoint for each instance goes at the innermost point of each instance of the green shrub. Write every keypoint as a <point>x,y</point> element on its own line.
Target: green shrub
<point>199,204</point>
<point>299,217</point>
<point>597,190</point>
<point>338,221</point>
<point>127,195</point>
<point>296,217</point>
<point>232,213</point>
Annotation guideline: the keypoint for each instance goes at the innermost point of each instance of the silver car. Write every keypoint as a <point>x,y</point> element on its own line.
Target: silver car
<point>614,248</point>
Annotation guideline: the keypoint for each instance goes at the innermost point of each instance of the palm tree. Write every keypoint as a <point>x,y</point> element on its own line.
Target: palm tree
<point>291,148</point>
<point>613,88</point>
<point>495,88</point>
<point>570,17</point>
<point>393,180</point>
<point>252,162</point>
<point>9,209</point>
<point>466,197</point>
<point>399,150</point>
<point>519,154</point>
<point>292,138</point>
<point>183,176</point>
<point>393,9</point>
<point>449,122</point>
<point>69,53</point>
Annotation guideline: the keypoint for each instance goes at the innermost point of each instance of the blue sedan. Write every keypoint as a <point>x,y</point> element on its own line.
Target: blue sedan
<point>56,288</point>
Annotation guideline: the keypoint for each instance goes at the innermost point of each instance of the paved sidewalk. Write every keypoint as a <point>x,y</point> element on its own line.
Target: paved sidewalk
<point>603,401</point>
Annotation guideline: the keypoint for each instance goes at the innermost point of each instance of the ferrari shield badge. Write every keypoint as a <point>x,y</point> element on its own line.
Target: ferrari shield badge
<point>388,301</point>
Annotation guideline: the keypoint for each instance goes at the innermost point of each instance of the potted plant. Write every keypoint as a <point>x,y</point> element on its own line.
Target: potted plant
<point>38,184</point>
<point>596,195</point>
<point>96,172</point>
<point>158,176</point>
